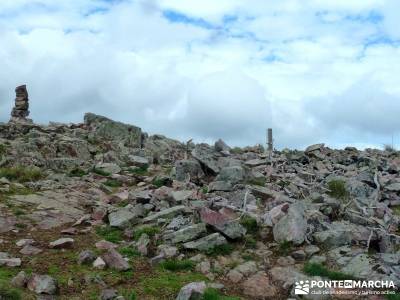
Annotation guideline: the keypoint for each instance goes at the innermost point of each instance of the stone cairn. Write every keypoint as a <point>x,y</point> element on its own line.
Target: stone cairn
<point>20,111</point>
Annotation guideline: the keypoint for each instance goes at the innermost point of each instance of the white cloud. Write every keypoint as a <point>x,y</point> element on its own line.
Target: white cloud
<point>226,69</point>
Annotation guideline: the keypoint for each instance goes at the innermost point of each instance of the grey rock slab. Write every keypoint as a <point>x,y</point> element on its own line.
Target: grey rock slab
<point>206,243</point>
<point>188,169</point>
<point>179,196</point>
<point>230,228</point>
<point>125,216</point>
<point>234,174</point>
<point>207,156</point>
<point>20,280</point>
<point>115,260</point>
<point>224,186</point>
<point>63,243</point>
<point>138,161</point>
<point>259,286</point>
<point>86,257</point>
<point>42,284</point>
<point>192,291</point>
<point>359,266</point>
<point>10,262</point>
<point>393,187</point>
<point>166,213</point>
<point>292,227</point>
<point>315,147</point>
<point>221,146</point>
<point>247,268</point>
<point>30,250</point>
<point>186,234</point>
<point>108,294</point>
<point>110,168</point>
<point>286,276</point>
<point>255,162</point>
<point>102,128</point>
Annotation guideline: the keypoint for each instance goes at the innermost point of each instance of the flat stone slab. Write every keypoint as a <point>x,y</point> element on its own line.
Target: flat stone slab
<point>64,243</point>
<point>115,260</point>
<point>206,243</point>
<point>52,208</point>
<point>166,213</point>
<point>186,234</point>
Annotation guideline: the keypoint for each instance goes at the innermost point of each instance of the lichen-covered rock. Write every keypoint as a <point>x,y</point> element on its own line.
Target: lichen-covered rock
<point>259,287</point>
<point>234,174</point>
<point>104,129</point>
<point>207,156</point>
<point>126,216</point>
<point>42,284</point>
<point>185,234</point>
<point>206,243</point>
<point>115,260</point>
<point>192,291</point>
<point>292,227</point>
<point>188,170</point>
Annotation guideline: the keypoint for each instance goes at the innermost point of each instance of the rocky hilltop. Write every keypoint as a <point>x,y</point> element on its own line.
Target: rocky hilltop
<point>102,210</point>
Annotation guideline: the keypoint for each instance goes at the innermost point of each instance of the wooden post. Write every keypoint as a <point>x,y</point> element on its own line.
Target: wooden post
<point>270,142</point>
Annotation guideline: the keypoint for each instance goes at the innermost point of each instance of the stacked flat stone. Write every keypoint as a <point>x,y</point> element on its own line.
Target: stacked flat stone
<point>21,108</point>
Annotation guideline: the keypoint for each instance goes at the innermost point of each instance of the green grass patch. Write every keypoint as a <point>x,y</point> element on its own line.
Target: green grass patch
<point>213,294</point>
<point>3,149</point>
<point>314,269</point>
<point>236,150</point>
<point>21,225</point>
<point>15,190</point>
<point>123,203</point>
<point>129,252</point>
<point>149,230</point>
<point>101,172</point>
<point>157,182</point>
<point>166,285</point>
<point>250,241</point>
<point>21,174</point>
<point>110,234</point>
<point>396,210</point>
<point>393,296</point>
<point>9,293</point>
<point>224,249</point>
<point>128,294</point>
<point>113,183</point>
<point>337,189</point>
<point>257,181</point>
<point>6,291</point>
<point>204,189</point>
<point>285,248</point>
<point>77,172</point>
<point>18,211</point>
<point>177,265</point>
<point>250,224</point>
<point>143,171</point>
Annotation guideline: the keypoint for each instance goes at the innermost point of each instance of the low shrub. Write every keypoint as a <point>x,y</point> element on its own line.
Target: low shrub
<point>177,265</point>
<point>21,174</point>
<point>337,189</point>
<point>314,269</point>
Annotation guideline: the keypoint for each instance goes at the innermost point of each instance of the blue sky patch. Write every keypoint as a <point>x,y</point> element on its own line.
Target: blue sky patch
<point>176,17</point>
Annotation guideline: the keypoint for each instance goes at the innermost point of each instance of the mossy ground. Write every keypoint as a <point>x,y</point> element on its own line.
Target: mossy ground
<point>21,174</point>
<point>141,282</point>
<point>314,269</point>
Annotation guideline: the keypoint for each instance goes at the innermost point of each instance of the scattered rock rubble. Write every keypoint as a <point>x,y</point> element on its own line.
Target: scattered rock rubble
<point>249,224</point>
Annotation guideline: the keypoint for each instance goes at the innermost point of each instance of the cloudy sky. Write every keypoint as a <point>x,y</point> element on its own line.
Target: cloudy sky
<point>313,70</point>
